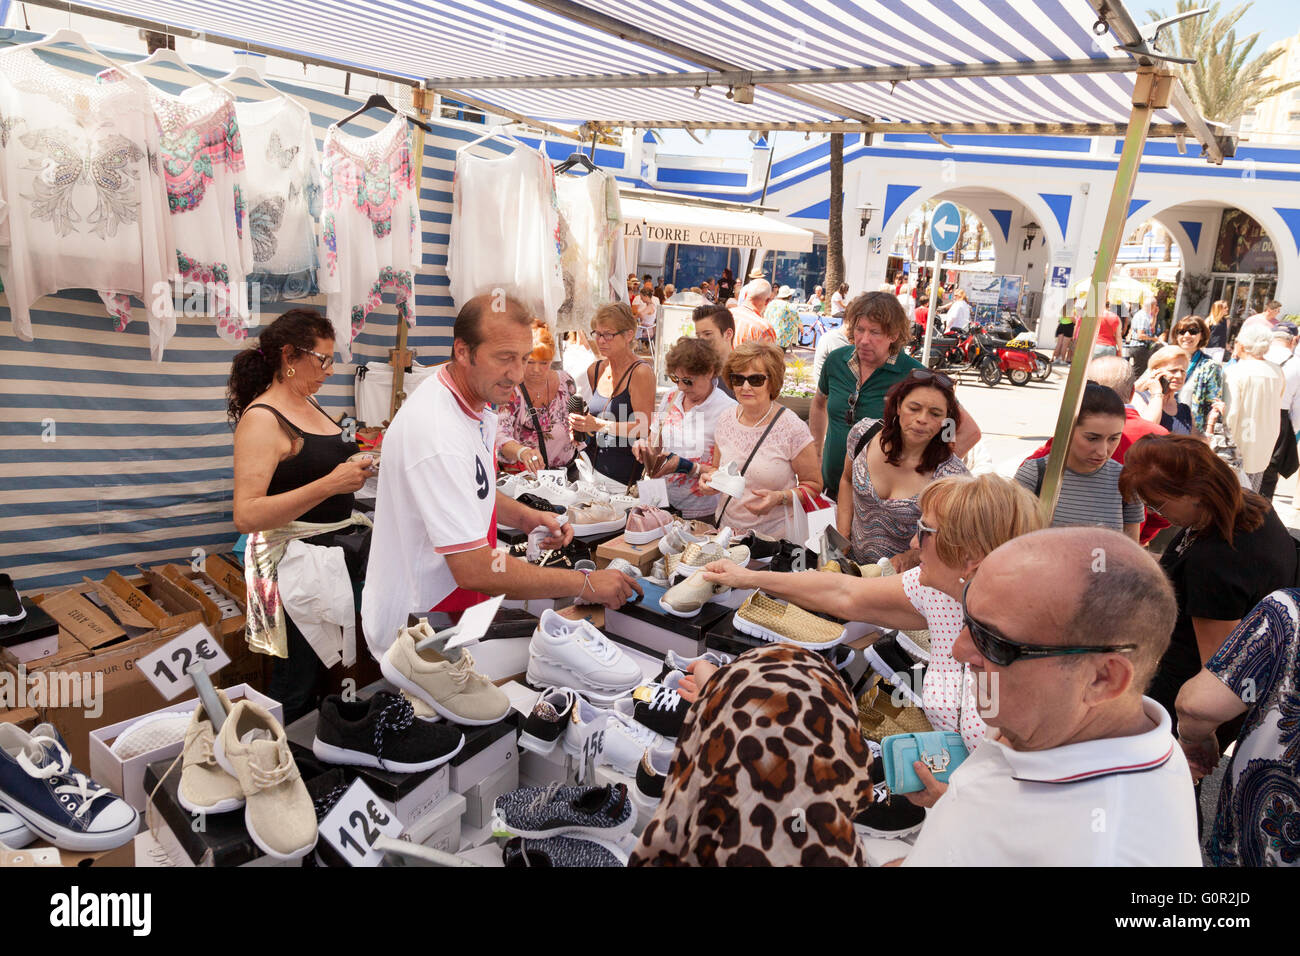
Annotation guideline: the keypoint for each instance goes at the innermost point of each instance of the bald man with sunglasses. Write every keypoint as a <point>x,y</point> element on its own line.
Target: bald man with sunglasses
<point>1079,769</point>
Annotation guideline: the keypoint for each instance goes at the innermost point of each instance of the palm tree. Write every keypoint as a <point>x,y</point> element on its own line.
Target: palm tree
<point>835,218</point>
<point>1224,82</point>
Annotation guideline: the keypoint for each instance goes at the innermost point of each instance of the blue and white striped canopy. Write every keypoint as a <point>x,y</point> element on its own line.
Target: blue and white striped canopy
<point>534,39</point>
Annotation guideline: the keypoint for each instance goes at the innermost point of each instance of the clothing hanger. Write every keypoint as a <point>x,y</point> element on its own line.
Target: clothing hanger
<point>169,56</point>
<point>246,72</point>
<point>576,159</point>
<point>72,38</point>
<point>378,100</point>
<point>502,131</point>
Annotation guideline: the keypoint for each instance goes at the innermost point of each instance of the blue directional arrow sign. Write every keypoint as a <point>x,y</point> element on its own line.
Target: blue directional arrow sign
<point>945,225</point>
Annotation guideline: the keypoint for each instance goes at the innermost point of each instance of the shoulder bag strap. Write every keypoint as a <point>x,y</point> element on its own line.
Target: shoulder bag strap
<point>780,410</point>
<point>537,424</point>
<point>869,434</point>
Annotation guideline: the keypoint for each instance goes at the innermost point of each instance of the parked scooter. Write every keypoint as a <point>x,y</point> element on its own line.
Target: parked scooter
<point>1010,333</point>
<point>969,350</point>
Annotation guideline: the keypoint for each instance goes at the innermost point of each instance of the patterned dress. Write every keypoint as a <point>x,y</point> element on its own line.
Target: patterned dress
<point>1204,387</point>
<point>1258,818</point>
<point>515,423</point>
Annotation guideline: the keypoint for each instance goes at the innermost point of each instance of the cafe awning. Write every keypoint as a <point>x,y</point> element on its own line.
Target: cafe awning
<point>709,225</point>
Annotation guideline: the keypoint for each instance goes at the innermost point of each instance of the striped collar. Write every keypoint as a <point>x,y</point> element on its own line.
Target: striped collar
<point>1092,759</point>
<point>445,378</point>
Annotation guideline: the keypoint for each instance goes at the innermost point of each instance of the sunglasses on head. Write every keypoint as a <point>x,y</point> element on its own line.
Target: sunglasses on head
<point>754,381</point>
<point>925,375</point>
<point>684,381</point>
<point>1002,651</point>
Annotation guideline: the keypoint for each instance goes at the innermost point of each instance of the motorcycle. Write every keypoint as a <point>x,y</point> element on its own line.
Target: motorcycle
<point>1010,334</point>
<point>970,349</point>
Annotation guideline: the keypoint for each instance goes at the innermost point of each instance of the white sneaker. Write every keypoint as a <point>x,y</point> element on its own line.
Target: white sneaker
<point>556,493</point>
<point>677,537</point>
<point>728,480</point>
<point>584,735</point>
<point>565,653</point>
<point>512,486</point>
<point>624,741</point>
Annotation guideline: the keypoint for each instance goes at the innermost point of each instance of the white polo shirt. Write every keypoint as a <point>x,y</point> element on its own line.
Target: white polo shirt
<point>437,492</point>
<point>1121,801</point>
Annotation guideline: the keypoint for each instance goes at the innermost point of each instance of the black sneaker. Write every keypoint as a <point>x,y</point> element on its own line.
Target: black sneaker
<point>659,707</point>
<point>890,817</point>
<point>793,557</point>
<point>840,656</point>
<point>540,504</point>
<point>558,851</point>
<point>651,773</point>
<point>677,662</point>
<point>382,732</point>
<point>760,545</point>
<point>545,725</point>
<point>897,666</point>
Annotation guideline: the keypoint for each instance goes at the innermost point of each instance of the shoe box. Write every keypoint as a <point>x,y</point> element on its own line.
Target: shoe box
<point>724,636</point>
<point>33,637</point>
<point>641,556</point>
<point>126,777</point>
<point>487,750</point>
<point>208,839</point>
<point>407,795</point>
<point>646,626</point>
<point>193,583</point>
<point>440,828</point>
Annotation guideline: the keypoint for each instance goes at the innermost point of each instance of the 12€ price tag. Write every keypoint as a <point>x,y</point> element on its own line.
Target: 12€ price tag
<point>356,822</point>
<point>556,475</point>
<point>167,667</point>
<point>653,492</point>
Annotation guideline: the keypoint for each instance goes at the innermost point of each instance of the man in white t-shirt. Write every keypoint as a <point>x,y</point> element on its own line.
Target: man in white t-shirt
<point>1079,769</point>
<point>1266,319</point>
<point>434,542</point>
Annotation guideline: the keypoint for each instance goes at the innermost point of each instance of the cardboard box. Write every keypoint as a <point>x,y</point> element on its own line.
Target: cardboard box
<point>24,717</point>
<point>229,576</point>
<point>595,613</point>
<point>221,624</point>
<point>482,797</point>
<point>540,770</point>
<point>114,611</point>
<point>641,556</point>
<point>440,827</point>
<point>126,778</point>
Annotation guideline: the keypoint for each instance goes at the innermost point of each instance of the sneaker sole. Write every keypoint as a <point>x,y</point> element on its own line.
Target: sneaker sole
<point>328,753</point>
<point>889,834</point>
<point>537,745</point>
<point>18,837</point>
<point>763,634</point>
<point>669,609</point>
<point>221,806</point>
<point>642,537</point>
<point>501,828</point>
<point>598,527</point>
<point>402,682</point>
<point>914,650</point>
<point>890,674</point>
<point>73,840</point>
<point>563,676</point>
<point>219,754</point>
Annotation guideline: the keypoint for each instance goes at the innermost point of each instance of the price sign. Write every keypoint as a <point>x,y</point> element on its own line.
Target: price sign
<point>653,492</point>
<point>474,623</point>
<point>356,822</point>
<point>556,476</point>
<point>166,668</point>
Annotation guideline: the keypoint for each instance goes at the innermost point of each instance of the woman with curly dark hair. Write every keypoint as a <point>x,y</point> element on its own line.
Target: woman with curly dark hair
<point>891,460</point>
<point>296,472</point>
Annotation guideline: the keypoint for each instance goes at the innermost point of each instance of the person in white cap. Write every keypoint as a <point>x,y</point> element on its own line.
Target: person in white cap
<point>783,317</point>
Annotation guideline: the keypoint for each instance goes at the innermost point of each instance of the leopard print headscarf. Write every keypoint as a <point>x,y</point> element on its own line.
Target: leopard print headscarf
<point>770,770</point>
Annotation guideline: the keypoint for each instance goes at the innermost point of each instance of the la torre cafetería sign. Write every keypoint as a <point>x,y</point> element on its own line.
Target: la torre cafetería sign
<point>691,235</point>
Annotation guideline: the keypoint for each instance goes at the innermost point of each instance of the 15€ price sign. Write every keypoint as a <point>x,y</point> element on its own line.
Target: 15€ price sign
<point>356,822</point>
<point>167,668</point>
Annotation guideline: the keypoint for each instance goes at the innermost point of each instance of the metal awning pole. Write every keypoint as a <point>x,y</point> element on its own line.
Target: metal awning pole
<point>1150,93</point>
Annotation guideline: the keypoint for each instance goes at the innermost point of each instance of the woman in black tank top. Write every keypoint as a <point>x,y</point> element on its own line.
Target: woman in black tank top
<point>291,462</point>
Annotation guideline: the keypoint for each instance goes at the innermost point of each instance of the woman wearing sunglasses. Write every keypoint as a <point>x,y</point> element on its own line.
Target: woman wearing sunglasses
<point>889,463</point>
<point>622,395</point>
<point>685,426</point>
<point>964,518</point>
<point>1232,551</point>
<point>1203,385</point>
<point>773,440</point>
<point>295,478</point>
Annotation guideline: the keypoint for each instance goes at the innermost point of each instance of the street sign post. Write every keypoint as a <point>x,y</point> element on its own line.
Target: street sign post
<point>945,226</point>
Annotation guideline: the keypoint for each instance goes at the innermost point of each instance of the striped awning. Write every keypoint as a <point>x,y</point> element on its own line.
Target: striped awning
<point>543,58</point>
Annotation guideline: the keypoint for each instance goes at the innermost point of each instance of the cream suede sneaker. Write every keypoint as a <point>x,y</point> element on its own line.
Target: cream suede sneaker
<point>278,811</point>
<point>205,786</point>
<point>446,682</point>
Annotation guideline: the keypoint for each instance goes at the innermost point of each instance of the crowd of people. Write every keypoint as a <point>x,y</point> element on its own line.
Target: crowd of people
<point>1170,604</point>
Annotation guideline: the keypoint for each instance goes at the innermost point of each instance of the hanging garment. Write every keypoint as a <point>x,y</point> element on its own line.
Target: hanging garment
<point>591,219</point>
<point>369,227</point>
<point>202,160</point>
<point>316,593</point>
<point>82,199</point>
<point>505,231</point>
<point>283,205</point>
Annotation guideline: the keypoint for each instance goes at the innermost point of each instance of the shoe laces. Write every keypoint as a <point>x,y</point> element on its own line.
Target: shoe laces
<point>397,717</point>
<point>78,785</point>
<point>462,670</point>
<point>640,733</point>
<point>544,797</point>
<point>596,644</point>
<point>666,699</point>
<point>203,745</point>
<point>264,778</point>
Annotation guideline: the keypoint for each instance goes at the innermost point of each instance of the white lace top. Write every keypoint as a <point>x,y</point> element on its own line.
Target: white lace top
<point>283,205</point>
<point>82,199</point>
<point>369,227</point>
<point>591,247</point>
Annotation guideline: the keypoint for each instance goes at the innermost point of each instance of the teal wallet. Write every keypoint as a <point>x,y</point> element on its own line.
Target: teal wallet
<point>941,751</point>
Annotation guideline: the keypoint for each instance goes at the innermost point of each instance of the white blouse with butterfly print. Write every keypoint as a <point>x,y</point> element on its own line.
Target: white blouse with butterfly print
<point>83,202</point>
<point>283,169</point>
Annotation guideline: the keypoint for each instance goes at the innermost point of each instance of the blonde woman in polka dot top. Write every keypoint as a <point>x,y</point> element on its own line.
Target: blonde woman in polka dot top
<point>963,519</point>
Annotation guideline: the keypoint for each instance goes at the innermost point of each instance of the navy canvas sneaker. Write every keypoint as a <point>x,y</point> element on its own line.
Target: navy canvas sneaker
<point>382,732</point>
<point>56,801</point>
